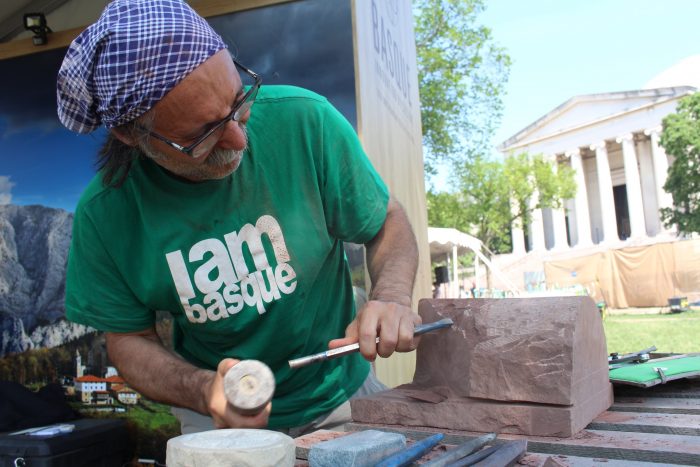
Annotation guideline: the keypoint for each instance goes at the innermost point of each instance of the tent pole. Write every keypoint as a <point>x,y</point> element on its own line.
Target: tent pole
<point>447,287</point>
<point>455,284</point>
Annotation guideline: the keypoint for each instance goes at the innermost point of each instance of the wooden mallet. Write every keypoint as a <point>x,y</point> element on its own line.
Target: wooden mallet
<point>249,386</point>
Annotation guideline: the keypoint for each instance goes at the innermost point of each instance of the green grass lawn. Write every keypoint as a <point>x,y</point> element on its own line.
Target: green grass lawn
<point>147,415</point>
<point>670,333</point>
<point>150,426</point>
<point>151,416</point>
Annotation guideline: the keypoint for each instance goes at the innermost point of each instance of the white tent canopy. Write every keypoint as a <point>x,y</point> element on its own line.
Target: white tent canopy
<point>451,243</point>
<point>443,241</point>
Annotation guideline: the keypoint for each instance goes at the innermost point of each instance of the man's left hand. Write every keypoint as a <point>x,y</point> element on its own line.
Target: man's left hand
<point>391,322</point>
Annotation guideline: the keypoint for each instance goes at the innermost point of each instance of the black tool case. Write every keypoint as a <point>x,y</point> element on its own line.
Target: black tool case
<point>93,442</point>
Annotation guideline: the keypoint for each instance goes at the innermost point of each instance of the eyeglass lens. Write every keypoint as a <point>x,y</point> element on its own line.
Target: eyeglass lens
<point>210,141</point>
<point>246,105</point>
<point>248,83</point>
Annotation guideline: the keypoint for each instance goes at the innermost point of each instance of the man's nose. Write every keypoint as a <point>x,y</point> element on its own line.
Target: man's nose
<point>234,136</point>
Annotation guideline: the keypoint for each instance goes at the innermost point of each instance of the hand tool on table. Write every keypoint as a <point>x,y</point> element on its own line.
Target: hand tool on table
<point>461,451</point>
<point>616,361</point>
<point>657,370</point>
<point>406,456</point>
<point>352,348</point>
<point>501,455</point>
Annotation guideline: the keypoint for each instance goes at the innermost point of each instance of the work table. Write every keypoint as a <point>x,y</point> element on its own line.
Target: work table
<point>644,427</point>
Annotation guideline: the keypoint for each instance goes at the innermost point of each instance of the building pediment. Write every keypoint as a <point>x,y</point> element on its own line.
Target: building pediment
<point>583,110</point>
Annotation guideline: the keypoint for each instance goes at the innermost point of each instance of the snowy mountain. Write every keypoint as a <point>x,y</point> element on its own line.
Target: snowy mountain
<point>34,242</point>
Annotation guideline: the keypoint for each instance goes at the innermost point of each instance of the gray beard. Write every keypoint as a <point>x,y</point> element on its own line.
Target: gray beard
<point>220,157</point>
<point>217,158</point>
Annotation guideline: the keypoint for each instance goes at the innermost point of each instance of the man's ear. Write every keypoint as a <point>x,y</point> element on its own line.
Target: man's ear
<point>123,136</point>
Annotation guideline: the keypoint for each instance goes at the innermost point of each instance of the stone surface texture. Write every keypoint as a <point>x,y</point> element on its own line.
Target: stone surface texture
<point>535,366</point>
<point>308,440</point>
<point>231,447</point>
<point>360,449</point>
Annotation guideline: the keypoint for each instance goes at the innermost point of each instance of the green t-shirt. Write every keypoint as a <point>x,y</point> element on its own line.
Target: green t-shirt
<point>251,266</point>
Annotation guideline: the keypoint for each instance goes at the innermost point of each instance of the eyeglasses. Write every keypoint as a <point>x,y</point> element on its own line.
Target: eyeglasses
<point>203,144</point>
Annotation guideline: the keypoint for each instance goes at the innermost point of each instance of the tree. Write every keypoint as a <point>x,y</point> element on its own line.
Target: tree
<point>493,195</point>
<point>484,186</point>
<point>681,139</point>
<point>444,210</point>
<point>536,178</point>
<point>461,77</point>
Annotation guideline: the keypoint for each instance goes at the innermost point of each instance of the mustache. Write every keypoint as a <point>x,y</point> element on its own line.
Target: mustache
<point>219,157</point>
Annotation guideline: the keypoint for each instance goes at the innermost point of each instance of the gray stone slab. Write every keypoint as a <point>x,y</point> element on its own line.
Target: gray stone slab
<point>361,449</point>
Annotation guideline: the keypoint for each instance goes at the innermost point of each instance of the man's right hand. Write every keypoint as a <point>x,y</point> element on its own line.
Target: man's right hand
<point>222,411</point>
<point>162,376</point>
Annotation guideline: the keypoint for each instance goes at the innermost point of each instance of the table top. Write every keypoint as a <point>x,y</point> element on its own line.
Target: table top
<point>648,427</point>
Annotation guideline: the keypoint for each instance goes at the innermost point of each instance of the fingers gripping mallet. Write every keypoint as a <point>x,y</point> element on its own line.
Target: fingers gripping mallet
<point>249,386</point>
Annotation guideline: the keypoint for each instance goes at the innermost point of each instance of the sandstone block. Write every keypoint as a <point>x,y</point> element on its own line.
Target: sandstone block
<point>534,366</point>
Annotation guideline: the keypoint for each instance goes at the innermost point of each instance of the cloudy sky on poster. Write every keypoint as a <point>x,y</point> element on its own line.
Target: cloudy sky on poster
<point>43,163</point>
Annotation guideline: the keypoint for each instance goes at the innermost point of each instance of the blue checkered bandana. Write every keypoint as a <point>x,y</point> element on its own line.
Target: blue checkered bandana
<point>122,65</point>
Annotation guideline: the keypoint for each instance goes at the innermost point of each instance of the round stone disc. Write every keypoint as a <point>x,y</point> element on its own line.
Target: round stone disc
<point>249,386</point>
<point>229,447</point>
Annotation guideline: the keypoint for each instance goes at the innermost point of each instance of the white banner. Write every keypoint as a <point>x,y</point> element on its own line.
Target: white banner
<point>388,122</point>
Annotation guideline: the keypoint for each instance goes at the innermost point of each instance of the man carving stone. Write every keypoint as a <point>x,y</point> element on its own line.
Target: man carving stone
<point>229,216</point>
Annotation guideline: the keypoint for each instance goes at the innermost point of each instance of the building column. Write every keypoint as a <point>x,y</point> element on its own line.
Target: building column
<point>634,187</point>
<point>583,220</point>
<point>559,223</point>
<point>536,224</point>
<point>607,199</point>
<point>559,227</point>
<point>517,234</point>
<point>660,160</point>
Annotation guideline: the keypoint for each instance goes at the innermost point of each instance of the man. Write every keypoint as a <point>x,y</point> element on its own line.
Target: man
<point>231,217</point>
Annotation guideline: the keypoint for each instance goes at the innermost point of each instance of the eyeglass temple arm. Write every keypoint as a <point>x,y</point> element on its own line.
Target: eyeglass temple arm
<point>249,71</point>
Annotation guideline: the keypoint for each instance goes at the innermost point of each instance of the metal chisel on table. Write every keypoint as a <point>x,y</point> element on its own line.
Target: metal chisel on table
<point>346,349</point>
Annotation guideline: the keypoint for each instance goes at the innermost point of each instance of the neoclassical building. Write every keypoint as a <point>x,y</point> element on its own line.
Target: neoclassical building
<point>611,141</point>
<point>609,239</point>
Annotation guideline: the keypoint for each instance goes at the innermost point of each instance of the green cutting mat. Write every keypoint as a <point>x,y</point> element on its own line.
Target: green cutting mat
<point>643,374</point>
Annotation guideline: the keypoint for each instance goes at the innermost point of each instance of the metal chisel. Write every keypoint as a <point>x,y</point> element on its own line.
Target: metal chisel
<point>346,349</point>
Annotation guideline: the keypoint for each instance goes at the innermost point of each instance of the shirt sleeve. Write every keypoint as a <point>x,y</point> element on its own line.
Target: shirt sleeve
<point>96,293</point>
<point>355,197</point>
